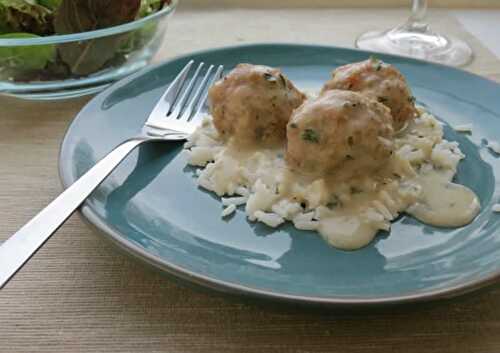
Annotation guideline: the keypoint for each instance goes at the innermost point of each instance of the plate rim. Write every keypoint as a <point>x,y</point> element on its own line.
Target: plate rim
<point>89,216</point>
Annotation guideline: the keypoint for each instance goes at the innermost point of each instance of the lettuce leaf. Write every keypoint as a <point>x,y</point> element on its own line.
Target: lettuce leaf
<point>50,4</point>
<point>32,18</point>
<point>23,16</point>
<point>149,7</point>
<point>25,58</point>
<point>75,16</point>
<point>4,27</point>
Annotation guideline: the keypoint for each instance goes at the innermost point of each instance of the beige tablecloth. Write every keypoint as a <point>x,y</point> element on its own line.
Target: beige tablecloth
<point>78,294</point>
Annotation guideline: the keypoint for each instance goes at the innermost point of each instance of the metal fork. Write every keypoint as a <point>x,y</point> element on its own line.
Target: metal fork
<point>174,117</point>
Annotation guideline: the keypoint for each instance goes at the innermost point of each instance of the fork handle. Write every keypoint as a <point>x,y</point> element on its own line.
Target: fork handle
<point>18,249</point>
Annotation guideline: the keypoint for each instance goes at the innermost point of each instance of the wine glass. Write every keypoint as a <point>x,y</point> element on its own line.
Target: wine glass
<point>416,39</point>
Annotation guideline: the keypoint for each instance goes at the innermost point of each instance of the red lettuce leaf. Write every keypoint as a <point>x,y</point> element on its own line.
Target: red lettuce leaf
<point>75,16</point>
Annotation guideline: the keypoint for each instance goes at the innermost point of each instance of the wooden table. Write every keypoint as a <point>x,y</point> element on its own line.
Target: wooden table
<point>79,294</point>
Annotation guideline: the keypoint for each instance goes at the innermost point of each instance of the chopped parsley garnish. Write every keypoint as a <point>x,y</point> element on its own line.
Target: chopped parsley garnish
<point>293,126</point>
<point>269,77</point>
<point>411,99</point>
<point>283,80</point>
<point>376,63</point>
<point>355,190</point>
<point>310,135</point>
<point>335,202</point>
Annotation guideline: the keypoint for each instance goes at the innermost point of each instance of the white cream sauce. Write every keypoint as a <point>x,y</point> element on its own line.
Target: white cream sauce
<point>430,197</point>
<point>347,232</point>
<point>348,215</point>
<point>443,203</point>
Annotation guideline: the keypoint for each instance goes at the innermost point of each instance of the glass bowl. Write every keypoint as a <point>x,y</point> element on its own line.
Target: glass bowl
<point>92,60</point>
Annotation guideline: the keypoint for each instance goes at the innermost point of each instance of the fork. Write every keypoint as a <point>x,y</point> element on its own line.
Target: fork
<point>175,116</point>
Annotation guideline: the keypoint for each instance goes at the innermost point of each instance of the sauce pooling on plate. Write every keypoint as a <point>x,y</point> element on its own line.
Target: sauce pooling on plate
<point>443,203</point>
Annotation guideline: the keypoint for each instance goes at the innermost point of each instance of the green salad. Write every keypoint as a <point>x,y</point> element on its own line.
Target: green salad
<point>36,18</point>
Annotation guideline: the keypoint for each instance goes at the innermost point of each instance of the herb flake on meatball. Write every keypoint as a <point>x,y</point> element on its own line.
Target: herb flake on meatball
<point>341,132</point>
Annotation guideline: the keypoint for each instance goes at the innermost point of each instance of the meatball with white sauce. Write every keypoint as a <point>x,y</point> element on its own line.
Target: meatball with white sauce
<point>253,104</point>
<point>341,133</point>
<point>379,81</point>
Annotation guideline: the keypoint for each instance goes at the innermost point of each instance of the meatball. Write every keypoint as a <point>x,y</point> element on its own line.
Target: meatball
<point>253,104</point>
<point>380,81</point>
<point>343,133</point>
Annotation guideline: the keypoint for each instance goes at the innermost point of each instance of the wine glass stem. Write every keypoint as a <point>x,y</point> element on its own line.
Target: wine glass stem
<point>418,10</point>
<point>416,22</point>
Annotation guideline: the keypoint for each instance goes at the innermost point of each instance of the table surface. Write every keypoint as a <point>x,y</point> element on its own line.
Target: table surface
<point>79,294</point>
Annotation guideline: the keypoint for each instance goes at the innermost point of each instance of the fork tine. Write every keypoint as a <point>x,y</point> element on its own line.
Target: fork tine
<point>178,110</point>
<point>164,104</point>
<point>189,109</point>
<point>217,76</point>
<point>187,92</point>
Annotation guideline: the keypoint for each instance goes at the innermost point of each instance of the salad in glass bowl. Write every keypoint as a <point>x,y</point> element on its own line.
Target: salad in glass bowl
<point>54,49</point>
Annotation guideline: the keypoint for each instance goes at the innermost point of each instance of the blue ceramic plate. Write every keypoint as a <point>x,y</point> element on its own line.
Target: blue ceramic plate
<point>151,206</point>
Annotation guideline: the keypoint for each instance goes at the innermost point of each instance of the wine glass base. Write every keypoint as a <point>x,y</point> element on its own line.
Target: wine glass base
<point>421,44</point>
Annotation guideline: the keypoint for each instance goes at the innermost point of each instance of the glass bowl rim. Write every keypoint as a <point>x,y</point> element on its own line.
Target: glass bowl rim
<point>98,33</point>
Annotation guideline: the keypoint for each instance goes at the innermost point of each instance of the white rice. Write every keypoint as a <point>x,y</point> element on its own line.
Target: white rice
<point>200,156</point>
<point>270,219</point>
<point>236,201</point>
<point>446,154</point>
<point>243,191</point>
<point>494,146</point>
<point>205,183</point>
<point>463,128</point>
<point>306,225</point>
<point>372,215</point>
<point>387,199</point>
<point>412,154</point>
<point>379,206</point>
<point>261,200</point>
<point>286,209</point>
<point>229,210</point>
<point>303,217</point>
